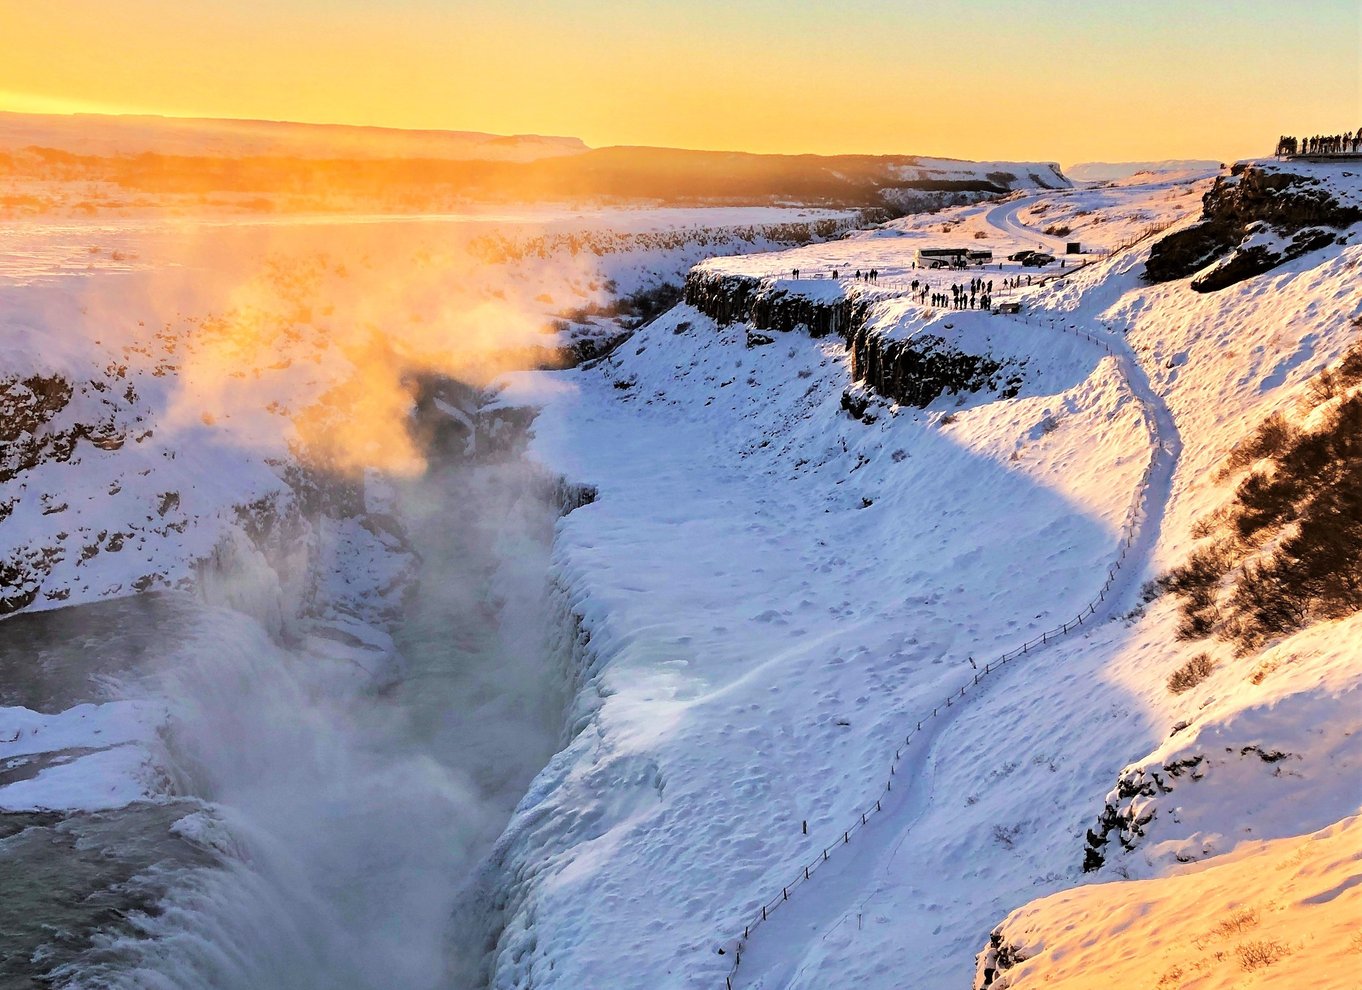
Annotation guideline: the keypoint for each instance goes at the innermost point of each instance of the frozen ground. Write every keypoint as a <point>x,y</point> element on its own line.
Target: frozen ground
<point>1282,914</point>
<point>188,405</point>
<point>768,595</point>
<point>773,594</point>
<point>200,359</point>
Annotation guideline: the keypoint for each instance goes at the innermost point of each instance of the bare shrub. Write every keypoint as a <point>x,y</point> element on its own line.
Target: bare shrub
<point>1205,527</point>
<point>1273,436</point>
<point>1259,953</point>
<point>1059,230</point>
<point>1006,835</point>
<point>1323,388</point>
<point>1191,673</point>
<point>1239,921</point>
<point>1349,370</point>
<point>1288,554</point>
<point>1264,501</point>
<point>1265,603</point>
<point>1198,624</point>
<point>1196,583</point>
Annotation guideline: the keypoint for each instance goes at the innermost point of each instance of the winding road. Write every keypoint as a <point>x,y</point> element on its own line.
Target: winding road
<point>1005,219</point>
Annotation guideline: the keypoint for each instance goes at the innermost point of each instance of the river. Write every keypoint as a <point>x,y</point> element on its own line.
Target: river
<point>310,835</point>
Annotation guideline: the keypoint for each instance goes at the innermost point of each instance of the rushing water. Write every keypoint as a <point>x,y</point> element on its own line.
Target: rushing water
<point>323,837</point>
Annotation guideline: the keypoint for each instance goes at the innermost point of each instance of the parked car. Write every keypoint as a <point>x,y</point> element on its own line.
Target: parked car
<point>1037,260</point>
<point>1020,256</point>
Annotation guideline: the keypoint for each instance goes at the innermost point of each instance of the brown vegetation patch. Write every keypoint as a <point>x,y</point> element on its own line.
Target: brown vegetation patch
<point>1283,553</point>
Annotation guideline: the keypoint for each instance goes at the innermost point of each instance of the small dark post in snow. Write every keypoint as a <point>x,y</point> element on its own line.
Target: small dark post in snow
<point>806,826</point>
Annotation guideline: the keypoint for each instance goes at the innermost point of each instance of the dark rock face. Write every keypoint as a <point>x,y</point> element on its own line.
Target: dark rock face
<point>27,406</point>
<point>1250,199</point>
<point>917,371</point>
<point>1125,818</point>
<point>744,299</point>
<point>20,584</point>
<point>723,298</point>
<point>1257,259</point>
<point>912,372</point>
<point>998,958</point>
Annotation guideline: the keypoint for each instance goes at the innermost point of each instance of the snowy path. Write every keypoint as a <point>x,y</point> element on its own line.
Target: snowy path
<point>1004,218</point>
<point>858,871</point>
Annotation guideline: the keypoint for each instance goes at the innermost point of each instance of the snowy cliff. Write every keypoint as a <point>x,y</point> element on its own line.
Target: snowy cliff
<point>776,595</point>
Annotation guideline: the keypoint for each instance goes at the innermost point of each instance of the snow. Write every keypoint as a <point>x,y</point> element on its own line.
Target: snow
<point>1111,171</point>
<point>87,758</point>
<point>773,594</point>
<point>196,362</point>
<point>1272,914</point>
<point>1101,219</point>
<point>768,594</point>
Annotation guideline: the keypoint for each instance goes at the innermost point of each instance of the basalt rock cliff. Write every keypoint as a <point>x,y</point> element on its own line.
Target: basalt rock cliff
<point>912,371</point>
<point>1254,219</point>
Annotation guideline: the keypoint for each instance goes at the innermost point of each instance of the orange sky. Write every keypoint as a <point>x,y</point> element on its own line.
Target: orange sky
<point>1066,80</point>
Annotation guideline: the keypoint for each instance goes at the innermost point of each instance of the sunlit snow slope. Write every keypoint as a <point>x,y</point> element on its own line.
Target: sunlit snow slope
<point>772,591</point>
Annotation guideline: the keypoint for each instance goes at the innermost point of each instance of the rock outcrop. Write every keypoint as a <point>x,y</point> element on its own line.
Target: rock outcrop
<point>992,964</point>
<point>1253,219</point>
<point>917,370</point>
<point>912,371</point>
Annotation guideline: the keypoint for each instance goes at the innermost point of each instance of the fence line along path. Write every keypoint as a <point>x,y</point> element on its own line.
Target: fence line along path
<point>1137,536</point>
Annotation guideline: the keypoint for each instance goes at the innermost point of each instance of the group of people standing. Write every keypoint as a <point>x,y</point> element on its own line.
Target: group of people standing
<point>975,294</point>
<point>1321,144</point>
<point>869,275</point>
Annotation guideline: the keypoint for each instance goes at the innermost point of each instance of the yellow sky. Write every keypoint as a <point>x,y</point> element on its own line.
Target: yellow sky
<point>1057,80</point>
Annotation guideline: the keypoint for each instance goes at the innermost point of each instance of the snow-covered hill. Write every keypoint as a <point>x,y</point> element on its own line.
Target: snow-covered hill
<point>825,506</point>
<point>1109,171</point>
<point>238,414</point>
<point>130,134</point>
<point>774,594</point>
<point>159,386</point>
<point>86,165</point>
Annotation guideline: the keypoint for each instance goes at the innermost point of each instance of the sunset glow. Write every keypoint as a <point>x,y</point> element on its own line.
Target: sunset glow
<point>680,494</point>
<point>991,79</point>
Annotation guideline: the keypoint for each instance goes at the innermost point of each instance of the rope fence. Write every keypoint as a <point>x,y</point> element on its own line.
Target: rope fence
<point>1129,530</point>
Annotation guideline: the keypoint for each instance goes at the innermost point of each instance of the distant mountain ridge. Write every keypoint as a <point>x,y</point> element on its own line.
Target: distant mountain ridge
<point>136,162</point>
<point>104,134</point>
<point>1108,171</point>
